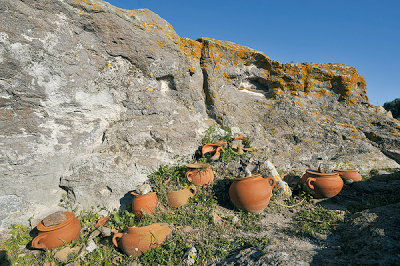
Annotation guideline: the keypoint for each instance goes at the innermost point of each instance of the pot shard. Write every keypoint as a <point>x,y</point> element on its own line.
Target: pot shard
<point>57,235</point>
<point>143,204</point>
<point>251,194</point>
<point>324,185</point>
<point>181,197</point>
<point>137,240</point>
<point>200,177</point>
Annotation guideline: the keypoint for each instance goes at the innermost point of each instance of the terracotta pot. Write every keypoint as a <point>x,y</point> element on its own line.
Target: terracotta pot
<point>181,197</point>
<point>136,240</point>
<point>142,204</point>
<point>349,176</point>
<point>252,193</point>
<point>200,176</point>
<point>57,235</point>
<point>324,185</point>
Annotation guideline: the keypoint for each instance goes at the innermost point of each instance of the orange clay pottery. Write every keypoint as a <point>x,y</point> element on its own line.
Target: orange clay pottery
<point>200,176</point>
<point>51,237</point>
<point>349,176</point>
<point>181,197</point>
<point>324,185</point>
<point>252,193</point>
<point>146,203</point>
<point>136,240</point>
<point>209,148</point>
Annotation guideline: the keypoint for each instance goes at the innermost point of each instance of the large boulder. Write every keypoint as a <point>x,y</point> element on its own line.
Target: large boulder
<point>93,98</point>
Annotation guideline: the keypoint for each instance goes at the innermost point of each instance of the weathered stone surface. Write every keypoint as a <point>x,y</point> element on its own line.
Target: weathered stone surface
<point>55,218</point>
<point>93,97</point>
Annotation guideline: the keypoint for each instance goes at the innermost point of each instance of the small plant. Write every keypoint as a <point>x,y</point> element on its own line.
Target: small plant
<point>215,133</point>
<point>318,220</point>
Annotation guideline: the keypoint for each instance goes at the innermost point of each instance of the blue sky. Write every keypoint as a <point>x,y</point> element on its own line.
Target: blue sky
<point>363,34</point>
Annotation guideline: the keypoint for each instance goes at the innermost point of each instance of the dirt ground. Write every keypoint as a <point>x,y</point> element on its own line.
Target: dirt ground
<point>368,235</point>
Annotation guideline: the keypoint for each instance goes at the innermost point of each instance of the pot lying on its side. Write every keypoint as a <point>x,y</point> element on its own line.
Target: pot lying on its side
<point>136,240</point>
<point>51,237</point>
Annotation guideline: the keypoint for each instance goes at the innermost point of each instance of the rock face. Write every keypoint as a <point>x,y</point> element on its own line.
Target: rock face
<point>93,97</point>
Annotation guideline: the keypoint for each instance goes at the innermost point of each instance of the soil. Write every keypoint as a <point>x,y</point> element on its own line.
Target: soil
<point>368,235</point>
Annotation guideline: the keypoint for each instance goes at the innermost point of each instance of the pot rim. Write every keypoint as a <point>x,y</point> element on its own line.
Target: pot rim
<point>138,195</point>
<point>342,170</point>
<point>197,165</point>
<point>42,228</point>
<point>247,177</point>
<point>322,175</point>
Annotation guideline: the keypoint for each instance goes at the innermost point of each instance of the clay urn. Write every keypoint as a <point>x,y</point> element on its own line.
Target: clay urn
<point>144,204</point>
<point>323,185</point>
<point>51,237</point>
<point>201,175</point>
<point>349,176</point>
<point>135,240</point>
<point>181,197</point>
<point>251,194</point>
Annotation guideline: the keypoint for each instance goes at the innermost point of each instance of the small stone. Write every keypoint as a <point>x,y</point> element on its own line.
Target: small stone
<point>144,189</point>
<point>54,219</point>
<point>326,167</point>
<point>235,219</point>
<point>105,231</point>
<point>95,233</point>
<point>190,255</point>
<point>91,246</point>
<point>64,254</point>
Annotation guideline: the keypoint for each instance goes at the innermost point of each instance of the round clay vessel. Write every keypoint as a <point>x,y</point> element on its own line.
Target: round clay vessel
<point>200,176</point>
<point>142,204</point>
<point>349,176</point>
<point>136,240</point>
<point>324,185</point>
<point>57,235</point>
<point>252,193</point>
<point>181,197</point>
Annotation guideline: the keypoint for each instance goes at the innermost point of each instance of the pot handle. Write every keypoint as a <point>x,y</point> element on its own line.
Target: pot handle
<point>188,175</point>
<point>194,190</point>
<point>115,236</point>
<point>35,241</point>
<point>309,180</point>
<point>273,181</point>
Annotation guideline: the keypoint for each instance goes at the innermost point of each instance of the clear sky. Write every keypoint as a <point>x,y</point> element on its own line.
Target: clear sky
<point>364,34</point>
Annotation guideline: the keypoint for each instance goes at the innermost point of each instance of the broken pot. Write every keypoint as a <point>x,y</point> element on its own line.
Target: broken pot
<point>142,204</point>
<point>181,197</point>
<point>136,240</point>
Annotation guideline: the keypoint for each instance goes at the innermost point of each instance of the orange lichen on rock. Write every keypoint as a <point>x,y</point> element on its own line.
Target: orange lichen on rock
<point>88,4</point>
